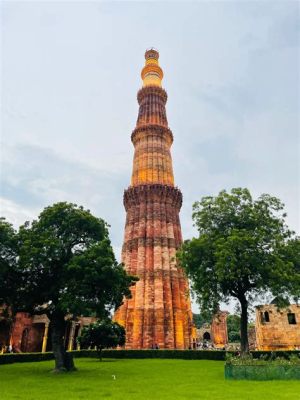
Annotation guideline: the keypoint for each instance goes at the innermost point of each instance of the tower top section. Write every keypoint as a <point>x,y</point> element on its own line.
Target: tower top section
<point>152,74</point>
<point>152,53</point>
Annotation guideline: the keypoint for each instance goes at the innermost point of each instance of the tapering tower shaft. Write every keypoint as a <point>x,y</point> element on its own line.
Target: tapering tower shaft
<point>159,313</point>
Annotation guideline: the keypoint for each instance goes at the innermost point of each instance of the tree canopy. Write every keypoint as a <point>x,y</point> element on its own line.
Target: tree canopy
<point>241,251</point>
<point>69,263</point>
<point>102,334</point>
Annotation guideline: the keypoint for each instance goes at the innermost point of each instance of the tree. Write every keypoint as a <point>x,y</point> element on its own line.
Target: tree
<point>102,335</point>
<point>69,268</point>
<point>239,252</point>
<point>233,328</point>
<point>199,320</point>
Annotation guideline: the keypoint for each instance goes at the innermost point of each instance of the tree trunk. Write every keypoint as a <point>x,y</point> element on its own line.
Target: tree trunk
<point>244,326</point>
<point>63,360</point>
<point>100,353</point>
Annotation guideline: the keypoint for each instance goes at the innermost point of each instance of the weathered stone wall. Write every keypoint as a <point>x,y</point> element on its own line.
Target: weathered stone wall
<point>32,333</point>
<point>203,332</point>
<point>20,339</point>
<point>274,331</point>
<point>219,329</point>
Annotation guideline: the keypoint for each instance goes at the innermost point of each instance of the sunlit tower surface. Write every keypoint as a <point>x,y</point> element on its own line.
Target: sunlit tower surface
<point>159,312</point>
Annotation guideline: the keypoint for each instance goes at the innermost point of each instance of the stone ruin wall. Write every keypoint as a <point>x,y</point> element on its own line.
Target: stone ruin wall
<point>275,332</point>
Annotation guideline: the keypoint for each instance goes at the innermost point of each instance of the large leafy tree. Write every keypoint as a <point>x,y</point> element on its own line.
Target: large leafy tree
<point>240,252</point>
<point>68,266</point>
<point>102,334</point>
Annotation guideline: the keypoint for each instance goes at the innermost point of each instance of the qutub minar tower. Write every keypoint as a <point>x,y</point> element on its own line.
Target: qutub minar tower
<point>159,312</point>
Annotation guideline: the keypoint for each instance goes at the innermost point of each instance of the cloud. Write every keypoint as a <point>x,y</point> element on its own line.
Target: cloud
<point>15,213</point>
<point>35,177</point>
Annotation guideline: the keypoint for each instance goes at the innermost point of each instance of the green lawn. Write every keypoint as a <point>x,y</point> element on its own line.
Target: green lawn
<point>136,380</point>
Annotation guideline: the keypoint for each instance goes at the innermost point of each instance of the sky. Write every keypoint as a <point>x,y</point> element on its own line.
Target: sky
<point>70,72</point>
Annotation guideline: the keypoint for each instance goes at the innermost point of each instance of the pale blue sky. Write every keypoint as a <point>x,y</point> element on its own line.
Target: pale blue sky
<point>70,73</point>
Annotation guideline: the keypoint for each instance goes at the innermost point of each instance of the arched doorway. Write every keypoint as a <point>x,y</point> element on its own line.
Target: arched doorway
<point>24,341</point>
<point>206,336</point>
<point>36,337</point>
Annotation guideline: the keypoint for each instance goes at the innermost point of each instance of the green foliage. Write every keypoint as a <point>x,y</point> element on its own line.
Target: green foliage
<point>199,320</point>
<point>68,263</point>
<point>101,335</point>
<point>120,354</point>
<point>234,337</point>
<point>290,253</point>
<point>239,252</point>
<point>233,328</point>
<point>8,262</point>
<point>176,354</point>
<point>12,358</point>
<point>62,263</point>
<point>263,372</point>
<point>292,358</point>
<point>268,366</point>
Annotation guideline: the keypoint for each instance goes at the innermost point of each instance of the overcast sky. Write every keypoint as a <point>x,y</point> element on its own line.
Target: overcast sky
<point>70,74</point>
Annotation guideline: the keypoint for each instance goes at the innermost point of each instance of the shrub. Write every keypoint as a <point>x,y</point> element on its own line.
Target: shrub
<point>265,359</point>
<point>25,357</point>
<point>101,335</point>
<point>176,354</point>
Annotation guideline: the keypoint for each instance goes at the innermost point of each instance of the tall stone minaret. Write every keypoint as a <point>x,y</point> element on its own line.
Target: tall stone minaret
<point>159,312</point>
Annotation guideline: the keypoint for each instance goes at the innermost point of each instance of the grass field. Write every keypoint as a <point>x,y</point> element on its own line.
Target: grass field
<point>136,379</point>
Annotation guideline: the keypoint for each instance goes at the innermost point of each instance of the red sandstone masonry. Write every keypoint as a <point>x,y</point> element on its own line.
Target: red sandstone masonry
<point>159,311</point>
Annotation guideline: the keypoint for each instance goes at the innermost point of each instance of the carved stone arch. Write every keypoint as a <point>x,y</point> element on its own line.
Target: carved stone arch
<point>206,336</point>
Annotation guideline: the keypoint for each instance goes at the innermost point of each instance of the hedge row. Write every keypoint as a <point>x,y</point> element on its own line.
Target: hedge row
<point>137,354</point>
<point>24,357</point>
<point>217,355</point>
<point>274,354</point>
<point>179,354</point>
<point>262,372</point>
